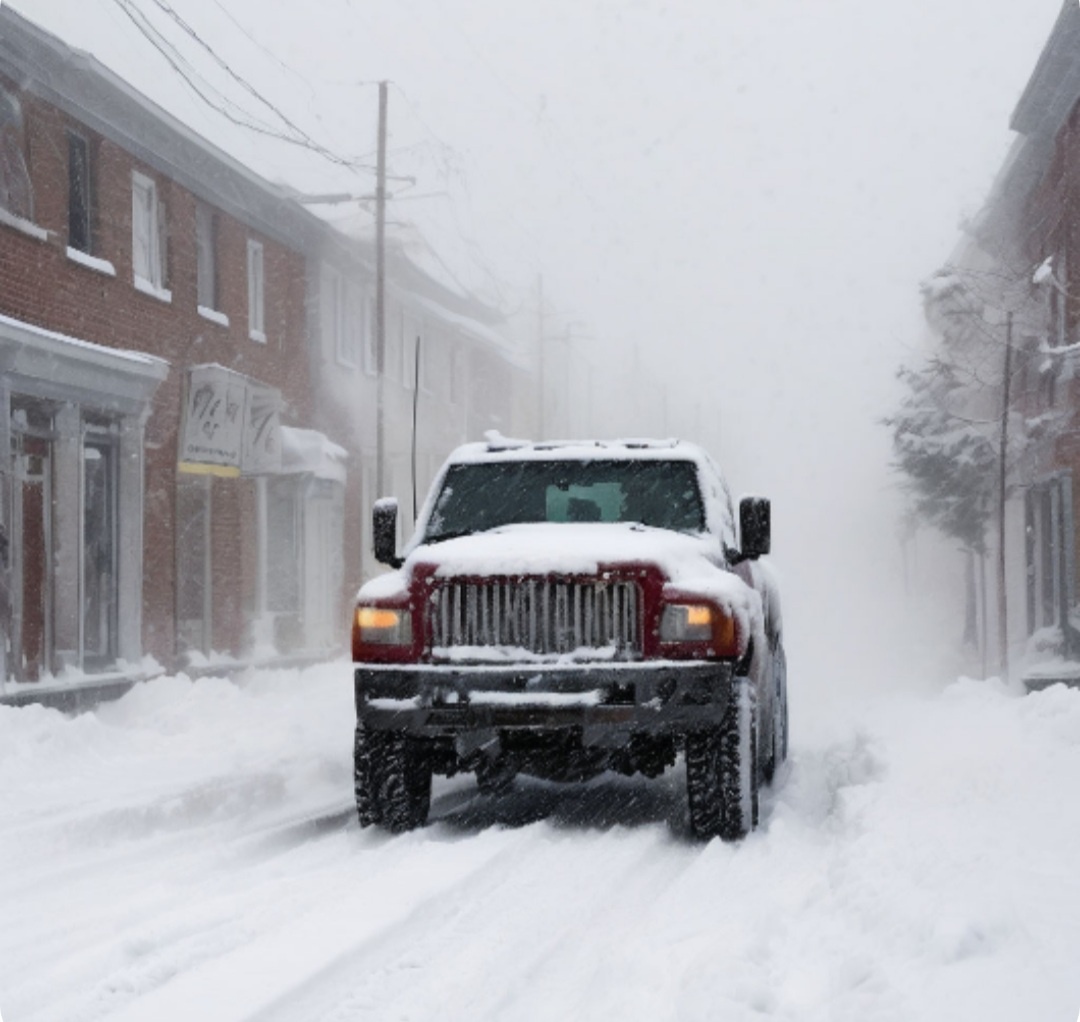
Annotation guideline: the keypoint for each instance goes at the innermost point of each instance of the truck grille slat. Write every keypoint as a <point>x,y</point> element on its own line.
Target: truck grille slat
<point>541,616</point>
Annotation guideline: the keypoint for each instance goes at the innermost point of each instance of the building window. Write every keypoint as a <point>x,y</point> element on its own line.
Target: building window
<point>1061,291</point>
<point>340,319</point>
<point>256,291</point>
<point>456,374</point>
<point>347,331</point>
<point>206,231</point>
<point>367,327</point>
<point>148,236</point>
<point>432,359</point>
<point>16,193</point>
<point>79,231</point>
<point>392,349</point>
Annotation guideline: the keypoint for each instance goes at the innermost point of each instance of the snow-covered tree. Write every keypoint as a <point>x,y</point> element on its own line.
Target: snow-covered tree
<point>948,458</point>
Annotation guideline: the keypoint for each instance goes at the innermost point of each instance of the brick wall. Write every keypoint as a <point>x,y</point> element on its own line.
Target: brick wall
<point>40,284</point>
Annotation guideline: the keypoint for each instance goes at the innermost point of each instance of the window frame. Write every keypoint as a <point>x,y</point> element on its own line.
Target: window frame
<point>13,144</point>
<point>456,382</point>
<point>155,282</point>
<point>76,140</point>
<point>206,258</point>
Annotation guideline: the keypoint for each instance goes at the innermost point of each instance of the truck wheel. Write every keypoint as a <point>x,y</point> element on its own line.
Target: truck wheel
<point>393,780</point>
<point>722,771</point>
<point>779,742</point>
<point>364,747</point>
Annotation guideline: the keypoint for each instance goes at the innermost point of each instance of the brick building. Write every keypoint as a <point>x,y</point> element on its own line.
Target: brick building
<point>1022,261</point>
<point>154,372</point>
<point>187,387</point>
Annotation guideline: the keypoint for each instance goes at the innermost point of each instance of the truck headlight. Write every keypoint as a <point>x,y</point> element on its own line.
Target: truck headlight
<point>686,622</point>
<point>699,622</point>
<point>384,625</point>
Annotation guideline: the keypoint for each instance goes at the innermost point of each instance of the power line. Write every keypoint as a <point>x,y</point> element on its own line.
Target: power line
<point>171,12</point>
<point>224,105</point>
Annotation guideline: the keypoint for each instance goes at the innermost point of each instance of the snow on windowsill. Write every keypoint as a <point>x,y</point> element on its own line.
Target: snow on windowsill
<point>257,335</point>
<point>23,226</point>
<point>151,289</point>
<point>213,315</point>
<point>77,255</point>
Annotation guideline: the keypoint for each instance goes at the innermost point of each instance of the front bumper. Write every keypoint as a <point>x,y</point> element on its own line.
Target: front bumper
<point>654,697</point>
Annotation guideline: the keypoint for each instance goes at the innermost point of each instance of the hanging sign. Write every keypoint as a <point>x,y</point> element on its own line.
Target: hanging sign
<point>230,424</point>
<point>262,431</point>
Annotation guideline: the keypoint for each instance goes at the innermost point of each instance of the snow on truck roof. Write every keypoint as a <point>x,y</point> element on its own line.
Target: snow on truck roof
<point>499,448</point>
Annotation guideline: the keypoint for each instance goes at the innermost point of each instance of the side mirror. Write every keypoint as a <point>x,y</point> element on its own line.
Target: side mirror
<point>384,531</point>
<point>755,527</point>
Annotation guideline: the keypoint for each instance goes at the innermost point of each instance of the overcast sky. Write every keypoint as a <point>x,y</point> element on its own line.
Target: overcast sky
<point>747,192</point>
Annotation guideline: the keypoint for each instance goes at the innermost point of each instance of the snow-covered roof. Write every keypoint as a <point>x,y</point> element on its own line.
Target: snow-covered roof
<point>500,448</point>
<point>307,450</point>
<point>64,343</point>
<point>80,85</point>
<point>126,379</point>
<point>1054,86</point>
<point>87,89</point>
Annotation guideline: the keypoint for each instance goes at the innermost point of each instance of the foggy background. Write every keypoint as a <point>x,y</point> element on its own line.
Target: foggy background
<point>738,199</point>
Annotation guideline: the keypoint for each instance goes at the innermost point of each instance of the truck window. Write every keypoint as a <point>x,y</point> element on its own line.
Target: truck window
<point>484,495</point>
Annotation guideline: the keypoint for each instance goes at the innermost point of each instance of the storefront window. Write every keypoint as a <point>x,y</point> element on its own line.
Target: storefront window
<point>99,604</point>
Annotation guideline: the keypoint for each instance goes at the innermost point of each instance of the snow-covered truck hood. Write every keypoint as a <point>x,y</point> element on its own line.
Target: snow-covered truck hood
<point>561,548</point>
<point>690,564</point>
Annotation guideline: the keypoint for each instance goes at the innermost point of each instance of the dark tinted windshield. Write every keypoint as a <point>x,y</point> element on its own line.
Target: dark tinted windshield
<point>484,495</point>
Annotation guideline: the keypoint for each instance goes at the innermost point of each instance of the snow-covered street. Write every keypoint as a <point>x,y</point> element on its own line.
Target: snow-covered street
<point>190,852</point>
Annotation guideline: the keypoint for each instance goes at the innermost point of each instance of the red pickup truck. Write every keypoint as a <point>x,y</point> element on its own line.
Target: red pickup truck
<point>566,609</point>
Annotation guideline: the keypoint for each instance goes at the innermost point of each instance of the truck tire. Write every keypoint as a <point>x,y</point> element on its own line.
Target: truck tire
<point>722,771</point>
<point>392,774</point>
<point>363,783</point>
<point>779,741</point>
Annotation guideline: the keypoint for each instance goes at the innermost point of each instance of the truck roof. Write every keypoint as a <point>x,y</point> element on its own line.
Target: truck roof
<point>499,448</point>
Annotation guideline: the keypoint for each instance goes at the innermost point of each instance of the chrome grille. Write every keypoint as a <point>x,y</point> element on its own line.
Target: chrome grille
<point>537,615</point>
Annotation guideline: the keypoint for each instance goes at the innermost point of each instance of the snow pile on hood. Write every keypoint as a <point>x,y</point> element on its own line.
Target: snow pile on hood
<point>691,564</point>
<point>562,548</point>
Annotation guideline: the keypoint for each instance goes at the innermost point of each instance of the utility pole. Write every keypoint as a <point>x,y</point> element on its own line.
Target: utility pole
<point>1003,619</point>
<point>380,300</point>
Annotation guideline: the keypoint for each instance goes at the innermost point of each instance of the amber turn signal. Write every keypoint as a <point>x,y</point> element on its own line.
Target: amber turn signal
<point>377,617</point>
<point>383,625</point>
<point>700,623</point>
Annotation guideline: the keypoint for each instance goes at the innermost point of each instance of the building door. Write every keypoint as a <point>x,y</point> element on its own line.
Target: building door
<point>1049,537</point>
<point>323,564</point>
<point>99,588</point>
<point>31,541</point>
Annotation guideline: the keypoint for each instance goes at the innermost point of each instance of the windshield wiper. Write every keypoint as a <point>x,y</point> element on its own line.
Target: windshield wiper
<point>439,537</point>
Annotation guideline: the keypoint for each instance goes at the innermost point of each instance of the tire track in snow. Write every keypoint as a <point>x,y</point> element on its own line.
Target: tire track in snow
<point>567,875</point>
<point>348,910</point>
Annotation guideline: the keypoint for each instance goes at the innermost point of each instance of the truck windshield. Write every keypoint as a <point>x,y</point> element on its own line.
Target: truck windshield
<point>484,495</point>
